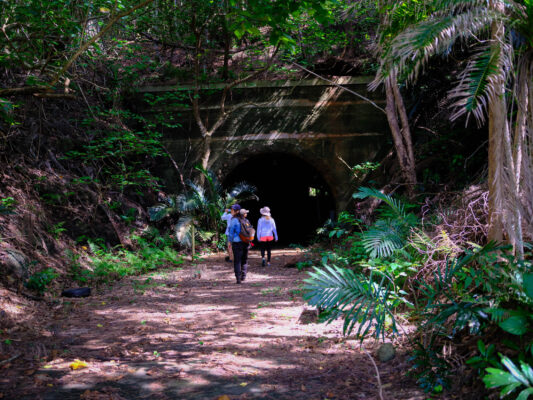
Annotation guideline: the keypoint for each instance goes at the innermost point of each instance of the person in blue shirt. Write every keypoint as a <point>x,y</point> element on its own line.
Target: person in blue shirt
<point>227,216</point>
<point>266,234</point>
<point>240,249</point>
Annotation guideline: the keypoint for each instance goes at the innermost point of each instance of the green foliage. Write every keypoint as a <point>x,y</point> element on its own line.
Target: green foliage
<point>150,255</point>
<point>399,268</point>
<point>390,232</point>
<point>7,205</point>
<point>118,152</point>
<point>57,229</point>
<point>6,112</point>
<point>76,271</point>
<point>446,296</point>
<point>465,295</point>
<point>512,379</point>
<point>345,224</point>
<point>367,300</point>
<point>301,265</point>
<point>430,369</point>
<point>201,206</point>
<point>468,295</point>
<point>487,357</point>
<point>40,281</point>
<point>360,170</point>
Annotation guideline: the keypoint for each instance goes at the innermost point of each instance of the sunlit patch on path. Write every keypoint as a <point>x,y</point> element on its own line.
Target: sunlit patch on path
<point>191,333</point>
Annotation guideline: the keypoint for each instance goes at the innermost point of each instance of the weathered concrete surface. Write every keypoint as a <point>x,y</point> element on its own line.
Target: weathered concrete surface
<point>313,120</point>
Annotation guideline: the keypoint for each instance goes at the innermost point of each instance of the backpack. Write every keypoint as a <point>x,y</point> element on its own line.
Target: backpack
<point>247,231</point>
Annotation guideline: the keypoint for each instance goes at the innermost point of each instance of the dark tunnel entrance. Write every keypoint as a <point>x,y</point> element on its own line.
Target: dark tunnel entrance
<point>299,198</point>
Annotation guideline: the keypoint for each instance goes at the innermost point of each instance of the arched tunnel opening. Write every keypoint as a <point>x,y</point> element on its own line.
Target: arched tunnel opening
<point>299,198</point>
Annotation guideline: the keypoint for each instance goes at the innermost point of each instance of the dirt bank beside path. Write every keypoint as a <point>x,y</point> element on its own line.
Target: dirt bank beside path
<point>192,333</point>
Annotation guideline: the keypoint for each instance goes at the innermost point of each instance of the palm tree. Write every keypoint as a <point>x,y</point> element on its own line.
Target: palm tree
<point>496,81</point>
<point>201,205</point>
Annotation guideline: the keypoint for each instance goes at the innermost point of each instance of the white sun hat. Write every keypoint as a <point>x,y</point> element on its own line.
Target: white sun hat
<point>265,211</point>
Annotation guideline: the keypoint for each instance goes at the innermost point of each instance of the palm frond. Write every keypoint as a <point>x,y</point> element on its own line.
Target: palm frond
<point>213,185</point>
<point>243,191</point>
<point>396,206</point>
<point>410,50</point>
<point>498,314</point>
<point>456,6</point>
<point>477,83</point>
<point>161,210</point>
<point>383,238</point>
<point>357,298</point>
<point>183,231</point>
<point>158,212</point>
<point>187,202</point>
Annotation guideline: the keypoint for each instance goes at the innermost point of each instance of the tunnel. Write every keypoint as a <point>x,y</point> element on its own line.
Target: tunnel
<point>299,198</point>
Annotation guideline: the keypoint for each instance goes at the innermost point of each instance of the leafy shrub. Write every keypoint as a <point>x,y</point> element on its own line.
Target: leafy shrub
<point>301,265</point>
<point>345,224</point>
<point>40,281</point>
<point>511,379</point>
<point>201,207</point>
<point>148,257</point>
<point>7,205</point>
<point>430,369</point>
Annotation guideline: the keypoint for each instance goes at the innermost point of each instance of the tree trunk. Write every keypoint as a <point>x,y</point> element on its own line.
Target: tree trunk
<point>401,136</point>
<point>496,156</point>
<point>206,152</point>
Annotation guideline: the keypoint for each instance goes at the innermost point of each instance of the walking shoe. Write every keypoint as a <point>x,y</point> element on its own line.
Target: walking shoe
<point>228,259</point>
<point>263,263</point>
<point>243,277</point>
<point>268,264</point>
<point>238,281</point>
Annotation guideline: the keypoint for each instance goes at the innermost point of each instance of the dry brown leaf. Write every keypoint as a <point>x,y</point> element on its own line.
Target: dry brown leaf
<point>223,397</point>
<point>114,378</point>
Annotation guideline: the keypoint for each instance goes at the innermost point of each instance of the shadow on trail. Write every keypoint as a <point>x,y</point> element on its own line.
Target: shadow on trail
<point>194,334</point>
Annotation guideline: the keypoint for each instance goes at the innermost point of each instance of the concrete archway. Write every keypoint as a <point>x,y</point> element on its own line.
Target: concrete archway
<point>300,198</point>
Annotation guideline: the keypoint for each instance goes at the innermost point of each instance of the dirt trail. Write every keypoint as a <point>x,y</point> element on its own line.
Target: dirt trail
<point>192,333</point>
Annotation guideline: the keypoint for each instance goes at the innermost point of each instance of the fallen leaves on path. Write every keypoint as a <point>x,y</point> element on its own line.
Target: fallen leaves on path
<point>201,341</point>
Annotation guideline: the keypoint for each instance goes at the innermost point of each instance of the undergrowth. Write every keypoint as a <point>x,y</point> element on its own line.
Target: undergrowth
<point>109,264</point>
<point>378,276</point>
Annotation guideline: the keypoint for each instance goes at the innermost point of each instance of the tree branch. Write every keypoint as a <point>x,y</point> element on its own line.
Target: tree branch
<point>87,44</point>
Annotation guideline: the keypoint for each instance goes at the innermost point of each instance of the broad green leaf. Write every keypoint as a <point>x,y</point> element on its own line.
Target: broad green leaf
<point>513,369</point>
<point>524,394</point>
<point>497,377</point>
<point>528,284</point>
<point>516,325</point>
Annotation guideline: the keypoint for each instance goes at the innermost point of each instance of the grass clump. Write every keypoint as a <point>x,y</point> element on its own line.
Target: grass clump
<point>147,256</point>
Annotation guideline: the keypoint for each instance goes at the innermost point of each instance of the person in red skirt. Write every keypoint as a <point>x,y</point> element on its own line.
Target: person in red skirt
<point>266,234</point>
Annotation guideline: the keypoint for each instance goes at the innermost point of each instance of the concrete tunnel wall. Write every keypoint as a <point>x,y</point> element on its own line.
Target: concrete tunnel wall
<point>312,120</point>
